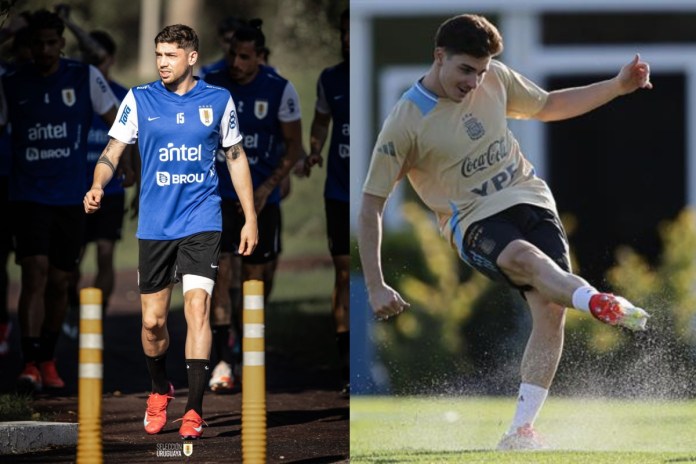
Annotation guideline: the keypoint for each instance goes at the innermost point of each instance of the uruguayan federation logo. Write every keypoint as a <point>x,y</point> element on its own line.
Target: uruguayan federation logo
<point>68,96</point>
<point>474,128</point>
<point>260,108</point>
<point>206,114</point>
<point>188,449</point>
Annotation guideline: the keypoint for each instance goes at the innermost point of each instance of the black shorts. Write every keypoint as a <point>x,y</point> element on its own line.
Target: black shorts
<point>6,245</point>
<point>107,222</point>
<point>485,240</point>
<point>337,226</point>
<point>269,225</point>
<point>49,230</point>
<point>163,262</point>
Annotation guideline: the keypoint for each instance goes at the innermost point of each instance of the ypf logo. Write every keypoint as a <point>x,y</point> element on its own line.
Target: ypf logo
<point>163,178</point>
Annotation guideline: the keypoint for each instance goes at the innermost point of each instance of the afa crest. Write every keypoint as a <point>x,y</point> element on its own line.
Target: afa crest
<point>69,96</point>
<point>473,126</point>
<point>206,115</point>
<point>260,108</point>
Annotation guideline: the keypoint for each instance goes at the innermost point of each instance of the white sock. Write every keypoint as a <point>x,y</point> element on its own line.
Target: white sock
<point>581,297</point>
<point>529,403</point>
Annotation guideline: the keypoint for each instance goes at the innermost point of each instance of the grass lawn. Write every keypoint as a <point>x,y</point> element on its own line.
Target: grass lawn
<point>579,430</point>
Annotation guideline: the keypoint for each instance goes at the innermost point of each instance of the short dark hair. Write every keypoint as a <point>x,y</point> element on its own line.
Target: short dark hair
<point>44,19</point>
<point>180,34</point>
<point>229,24</point>
<point>469,34</point>
<point>105,41</point>
<point>252,33</point>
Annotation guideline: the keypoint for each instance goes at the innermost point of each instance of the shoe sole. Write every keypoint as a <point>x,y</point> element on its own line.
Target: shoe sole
<point>222,387</point>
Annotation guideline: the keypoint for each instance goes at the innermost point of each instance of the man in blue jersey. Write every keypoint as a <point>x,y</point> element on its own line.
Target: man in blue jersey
<point>15,30</point>
<point>103,228</point>
<point>269,113</point>
<point>49,103</point>
<point>179,121</point>
<point>333,102</point>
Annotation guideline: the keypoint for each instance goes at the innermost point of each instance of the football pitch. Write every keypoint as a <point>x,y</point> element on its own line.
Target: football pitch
<point>467,429</point>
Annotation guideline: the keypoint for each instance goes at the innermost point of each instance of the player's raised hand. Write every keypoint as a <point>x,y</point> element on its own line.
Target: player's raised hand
<point>634,75</point>
<point>386,302</point>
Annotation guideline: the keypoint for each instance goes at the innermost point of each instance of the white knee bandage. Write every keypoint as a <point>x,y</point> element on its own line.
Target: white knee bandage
<point>190,281</point>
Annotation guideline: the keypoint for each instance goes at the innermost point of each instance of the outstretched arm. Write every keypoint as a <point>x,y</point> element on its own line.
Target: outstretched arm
<point>568,103</point>
<point>384,300</point>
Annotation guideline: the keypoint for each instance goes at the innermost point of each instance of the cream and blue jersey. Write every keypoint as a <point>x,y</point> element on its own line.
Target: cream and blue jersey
<point>178,136</point>
<point>461,158</point>
<point>49,118</point>
<point>333,97</point>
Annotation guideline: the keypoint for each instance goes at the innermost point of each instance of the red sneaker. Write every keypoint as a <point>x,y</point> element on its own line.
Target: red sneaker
<point>616,310</point>
<point>50,376</point>
<point>191,425</point>
<point>156,412</point>
<point>30,378</point>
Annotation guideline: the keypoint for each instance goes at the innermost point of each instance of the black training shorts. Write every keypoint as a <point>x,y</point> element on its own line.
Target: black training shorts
<point>107,222</point>
<point>268,223</point>
<point>337,226</point>
<point>48,230</point>
<point>163,262</point>
<point>484,240</point>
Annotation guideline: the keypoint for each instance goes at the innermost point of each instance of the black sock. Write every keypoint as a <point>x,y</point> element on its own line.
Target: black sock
<point>30,348</point>
<point>221,343</point>
<point>47,349</point>
<point>343,342</point>
<point>197,371</point>
<point>158,373</point>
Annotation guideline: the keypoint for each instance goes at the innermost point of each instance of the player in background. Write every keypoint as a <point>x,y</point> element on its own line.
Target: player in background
<point>104,227</point>
<point>15,30</point>
<point>333,104</point>
<point>225,33</point>
<point>269,114</point>
<point>179,122</point>
<point>448,135</point>
<point>49,103</point>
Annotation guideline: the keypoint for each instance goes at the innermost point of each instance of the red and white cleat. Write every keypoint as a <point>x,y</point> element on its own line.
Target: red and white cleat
<point>525,438</point>
<point>616,310</point>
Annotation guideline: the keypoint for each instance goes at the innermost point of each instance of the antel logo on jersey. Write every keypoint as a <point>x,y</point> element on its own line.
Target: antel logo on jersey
<point>48,132</point>
<point>182,153</point>
<point>34,154</point>
<point>165,178</point>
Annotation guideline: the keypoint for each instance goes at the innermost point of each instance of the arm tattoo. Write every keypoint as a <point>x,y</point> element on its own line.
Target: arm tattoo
<point>235,151</point>
<point>104,160</point>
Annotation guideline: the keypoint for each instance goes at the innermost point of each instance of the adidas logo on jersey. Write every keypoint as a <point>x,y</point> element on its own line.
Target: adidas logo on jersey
<point>387,149</point>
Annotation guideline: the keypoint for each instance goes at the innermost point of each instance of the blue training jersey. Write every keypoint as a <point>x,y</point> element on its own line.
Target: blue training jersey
<point>49,118</point>
<point>333,97</point>
<point>97,139</point>
<point>263,104</point>
<point>178,137</point>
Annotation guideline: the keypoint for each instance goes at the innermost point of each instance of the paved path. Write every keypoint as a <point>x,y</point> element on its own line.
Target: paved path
<point>307,419</point>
